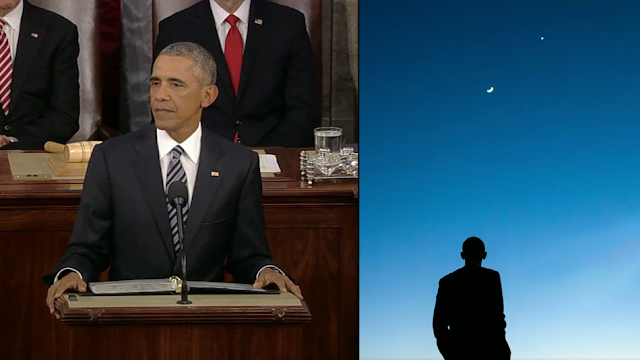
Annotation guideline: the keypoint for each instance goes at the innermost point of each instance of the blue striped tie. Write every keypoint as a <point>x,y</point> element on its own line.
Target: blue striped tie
<point>176,173</point>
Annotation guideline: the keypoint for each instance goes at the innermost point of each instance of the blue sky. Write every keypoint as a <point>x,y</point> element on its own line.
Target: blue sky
<point>544,169</point>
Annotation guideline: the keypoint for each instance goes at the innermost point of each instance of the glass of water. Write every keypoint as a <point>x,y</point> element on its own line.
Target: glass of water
<point>328,144</point>
<point>328,138</point>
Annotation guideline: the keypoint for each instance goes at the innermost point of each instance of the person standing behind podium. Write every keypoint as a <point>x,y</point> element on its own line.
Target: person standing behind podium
<point>39,88</point>
<point>123,221</point>
<point>268,92</point>
<point>468,320</point>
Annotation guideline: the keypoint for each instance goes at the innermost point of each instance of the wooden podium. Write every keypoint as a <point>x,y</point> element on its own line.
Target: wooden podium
<point>155,327</point>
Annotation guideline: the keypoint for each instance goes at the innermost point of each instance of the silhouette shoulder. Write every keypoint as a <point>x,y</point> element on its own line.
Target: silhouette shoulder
<point>448,278</point>
<point>492,272</point>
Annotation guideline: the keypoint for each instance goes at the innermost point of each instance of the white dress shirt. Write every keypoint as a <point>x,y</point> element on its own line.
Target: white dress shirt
<point>12,28</point>
<point>220,16</point>
<point>189,160</point>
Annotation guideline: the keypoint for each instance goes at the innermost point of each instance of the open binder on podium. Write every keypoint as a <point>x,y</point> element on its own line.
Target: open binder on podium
<point>171,285</point>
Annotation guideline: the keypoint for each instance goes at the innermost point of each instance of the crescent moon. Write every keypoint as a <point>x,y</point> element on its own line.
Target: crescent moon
<point>490,90</point>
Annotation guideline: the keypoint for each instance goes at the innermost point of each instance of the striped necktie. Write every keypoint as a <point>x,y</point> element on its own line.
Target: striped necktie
<point>176,173</point>
<point>6,69</point>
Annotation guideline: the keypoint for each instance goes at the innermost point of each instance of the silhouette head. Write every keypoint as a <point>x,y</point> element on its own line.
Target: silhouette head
<point>473,250</point>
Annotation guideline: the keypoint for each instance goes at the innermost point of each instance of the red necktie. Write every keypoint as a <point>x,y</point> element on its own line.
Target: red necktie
<point>233,56</point>
<point>6,70</point>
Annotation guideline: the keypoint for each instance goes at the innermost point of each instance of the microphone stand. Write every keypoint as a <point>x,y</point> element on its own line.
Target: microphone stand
<point>184,292</point>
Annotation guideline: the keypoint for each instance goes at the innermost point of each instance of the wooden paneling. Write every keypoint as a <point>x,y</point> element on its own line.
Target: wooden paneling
<point>26,324</point>
<point>192,342</point>
<point>48,219</point>
<point>311,256</point>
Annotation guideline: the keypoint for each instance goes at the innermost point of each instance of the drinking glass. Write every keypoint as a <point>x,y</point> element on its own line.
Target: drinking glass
<point>328,141</point>
<point>328,138</point>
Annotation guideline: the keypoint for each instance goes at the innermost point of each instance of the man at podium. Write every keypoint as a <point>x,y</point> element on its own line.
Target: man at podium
<point>125,222</point>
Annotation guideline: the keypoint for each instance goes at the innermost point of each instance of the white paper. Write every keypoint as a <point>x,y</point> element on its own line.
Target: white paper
<point>166,285</point>
<point>224,286</point>
<point>269,163</point>
<point>132,286</point>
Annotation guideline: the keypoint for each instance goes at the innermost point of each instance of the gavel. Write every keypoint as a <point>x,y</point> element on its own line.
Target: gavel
<point>74,152</point>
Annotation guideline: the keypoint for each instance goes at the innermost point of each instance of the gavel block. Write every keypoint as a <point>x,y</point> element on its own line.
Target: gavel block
<point>77,152</point>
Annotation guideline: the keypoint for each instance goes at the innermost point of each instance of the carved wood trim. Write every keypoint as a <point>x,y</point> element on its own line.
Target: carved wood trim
<point>184,315</point>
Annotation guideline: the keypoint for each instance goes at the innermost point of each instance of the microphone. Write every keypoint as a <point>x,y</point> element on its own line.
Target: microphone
<point>178,197</point>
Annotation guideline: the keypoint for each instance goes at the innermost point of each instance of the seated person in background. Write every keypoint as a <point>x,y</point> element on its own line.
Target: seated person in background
<point>268,94</point>
<point>39,89</point>
<point>123,222</point>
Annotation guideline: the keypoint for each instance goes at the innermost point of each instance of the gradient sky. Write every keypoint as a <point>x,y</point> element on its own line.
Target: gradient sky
<point>546,170</point>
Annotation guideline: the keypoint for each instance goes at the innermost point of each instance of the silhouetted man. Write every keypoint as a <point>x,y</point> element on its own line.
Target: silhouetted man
<point>468,320</point>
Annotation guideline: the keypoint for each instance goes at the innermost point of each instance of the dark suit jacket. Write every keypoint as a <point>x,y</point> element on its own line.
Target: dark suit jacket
<point>123,223</point>
<point>277,102</point>
<point>45,93</point>
<point>468,319</point>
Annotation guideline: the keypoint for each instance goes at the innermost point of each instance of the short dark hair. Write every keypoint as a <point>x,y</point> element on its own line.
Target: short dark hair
<point>204,66</point>
<point>473,247</point>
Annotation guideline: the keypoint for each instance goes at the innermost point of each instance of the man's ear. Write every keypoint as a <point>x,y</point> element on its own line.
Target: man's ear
<point>210,95</point>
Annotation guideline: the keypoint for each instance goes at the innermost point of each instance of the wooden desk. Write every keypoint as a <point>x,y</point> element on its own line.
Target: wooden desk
<point>312,231</point>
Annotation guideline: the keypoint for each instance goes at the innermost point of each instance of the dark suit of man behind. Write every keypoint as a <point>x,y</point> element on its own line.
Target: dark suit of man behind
<point>277,102</point>
<point>44,103</point>
<point>468,320</point>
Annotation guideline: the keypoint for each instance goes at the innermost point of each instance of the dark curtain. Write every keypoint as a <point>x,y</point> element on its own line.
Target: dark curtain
<point>110,26</point>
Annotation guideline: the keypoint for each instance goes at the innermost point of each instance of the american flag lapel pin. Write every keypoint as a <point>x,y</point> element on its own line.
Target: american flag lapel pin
<point>258,21</point>
<point>215,174</point>
<point>35,35</point>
